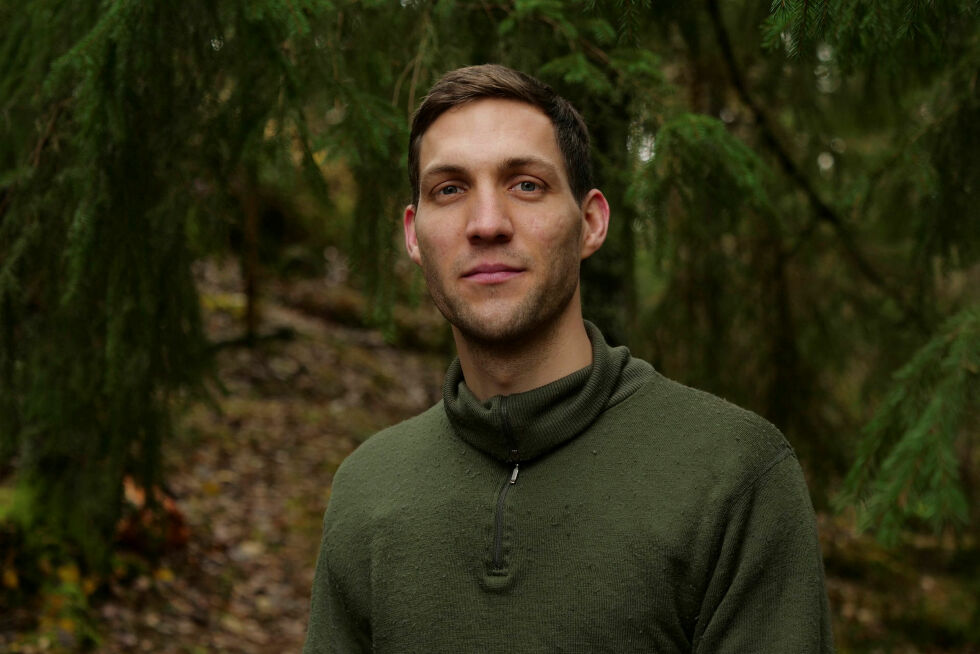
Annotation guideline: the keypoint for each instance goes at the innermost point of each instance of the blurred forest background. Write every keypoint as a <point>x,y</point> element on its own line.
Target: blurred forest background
<point>204,305</point>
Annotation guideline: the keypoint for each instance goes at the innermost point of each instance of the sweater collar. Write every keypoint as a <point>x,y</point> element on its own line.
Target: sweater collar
<point>523,426</point>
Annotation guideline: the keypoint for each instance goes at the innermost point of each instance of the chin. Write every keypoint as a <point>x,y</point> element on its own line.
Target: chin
<point>500,331</point>
<point>489,334</point>
<point>507,322</point>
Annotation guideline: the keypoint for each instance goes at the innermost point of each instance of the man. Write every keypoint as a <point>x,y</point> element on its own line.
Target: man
<point>564,496</point>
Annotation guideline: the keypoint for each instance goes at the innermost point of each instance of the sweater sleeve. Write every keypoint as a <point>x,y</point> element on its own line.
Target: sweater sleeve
<point>338,618</point>
<point>766,593</point>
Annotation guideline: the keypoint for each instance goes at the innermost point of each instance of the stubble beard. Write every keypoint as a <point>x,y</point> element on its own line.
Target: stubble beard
<point>530,317</point>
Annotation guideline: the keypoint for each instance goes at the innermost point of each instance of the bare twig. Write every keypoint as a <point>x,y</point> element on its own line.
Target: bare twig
<point>401,79</point>
<point>48,131</point>
<point>417,70</point>
<point>35,158</point>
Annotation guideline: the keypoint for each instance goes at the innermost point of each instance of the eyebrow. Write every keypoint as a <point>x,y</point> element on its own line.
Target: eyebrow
<point>523,162</point>
<point>507,165</point>
<point>443,169</point>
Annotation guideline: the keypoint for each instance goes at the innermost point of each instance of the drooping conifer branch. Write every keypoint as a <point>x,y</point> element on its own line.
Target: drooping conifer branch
<point>822,211</point>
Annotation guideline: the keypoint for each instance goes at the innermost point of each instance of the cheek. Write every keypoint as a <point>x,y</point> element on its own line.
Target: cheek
<point>558,233</point>
<point>434,250</point>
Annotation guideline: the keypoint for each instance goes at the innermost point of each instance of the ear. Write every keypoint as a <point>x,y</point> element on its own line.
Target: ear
<point>411,239</point>
<point>595,221</point>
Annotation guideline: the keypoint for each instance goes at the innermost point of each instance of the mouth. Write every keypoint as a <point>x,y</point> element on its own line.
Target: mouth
<point>491,273</point>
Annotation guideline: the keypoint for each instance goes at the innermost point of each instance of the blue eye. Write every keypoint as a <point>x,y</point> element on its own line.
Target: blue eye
<point>449,190</point>
<point>528,187</point>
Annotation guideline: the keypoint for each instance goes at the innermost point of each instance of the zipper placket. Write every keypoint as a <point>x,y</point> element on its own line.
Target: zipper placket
<point>498,537</point>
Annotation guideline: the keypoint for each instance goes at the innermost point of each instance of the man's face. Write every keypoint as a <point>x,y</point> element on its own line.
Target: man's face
<point>497,231</point>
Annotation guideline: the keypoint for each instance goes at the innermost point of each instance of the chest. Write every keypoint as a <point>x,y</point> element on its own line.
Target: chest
<point>571,553</point>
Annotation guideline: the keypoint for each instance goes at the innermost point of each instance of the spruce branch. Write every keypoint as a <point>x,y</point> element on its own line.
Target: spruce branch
<point>35,160</point>
<point>823,212</point>
<point>907,466</point>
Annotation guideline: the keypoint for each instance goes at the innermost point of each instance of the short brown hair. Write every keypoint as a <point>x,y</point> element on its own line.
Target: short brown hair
<point>471,83</point>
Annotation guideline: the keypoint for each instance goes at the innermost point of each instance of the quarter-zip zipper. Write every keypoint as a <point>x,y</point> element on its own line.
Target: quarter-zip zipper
<point>515,457</point>
<point>498,539</point>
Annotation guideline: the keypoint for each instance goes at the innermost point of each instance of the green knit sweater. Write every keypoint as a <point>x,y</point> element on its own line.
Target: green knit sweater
<point>612,510</point>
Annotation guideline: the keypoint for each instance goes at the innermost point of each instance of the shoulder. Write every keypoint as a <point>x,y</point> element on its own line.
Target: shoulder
<point>393,448</point>
<point>697,429</point>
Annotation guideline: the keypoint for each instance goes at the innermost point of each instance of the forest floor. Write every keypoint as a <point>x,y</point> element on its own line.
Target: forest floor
<point>249,476</point>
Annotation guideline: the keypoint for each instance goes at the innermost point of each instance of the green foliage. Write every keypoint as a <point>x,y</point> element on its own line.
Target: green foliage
<point>702,165</point>
<point>886,32</point>
<point>151,118</point>
<point>908,466</point>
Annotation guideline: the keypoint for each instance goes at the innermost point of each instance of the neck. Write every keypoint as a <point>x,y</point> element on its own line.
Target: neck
<point>514,367</point>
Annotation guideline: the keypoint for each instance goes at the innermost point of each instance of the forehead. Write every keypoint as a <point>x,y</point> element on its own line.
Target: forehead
<point>487,131</point>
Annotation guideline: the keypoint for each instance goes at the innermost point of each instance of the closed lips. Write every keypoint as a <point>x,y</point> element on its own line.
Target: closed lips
<point>492,273</point>
<point>490,268</point>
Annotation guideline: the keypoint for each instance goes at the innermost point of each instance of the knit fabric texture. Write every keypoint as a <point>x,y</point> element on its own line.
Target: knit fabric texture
<point>612,510</point>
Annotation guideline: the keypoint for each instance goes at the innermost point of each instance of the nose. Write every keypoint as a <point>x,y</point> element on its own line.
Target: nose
<point>488,220</point>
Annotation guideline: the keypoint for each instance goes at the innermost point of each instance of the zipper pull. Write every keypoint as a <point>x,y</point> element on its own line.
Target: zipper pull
<point>513,475</point>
